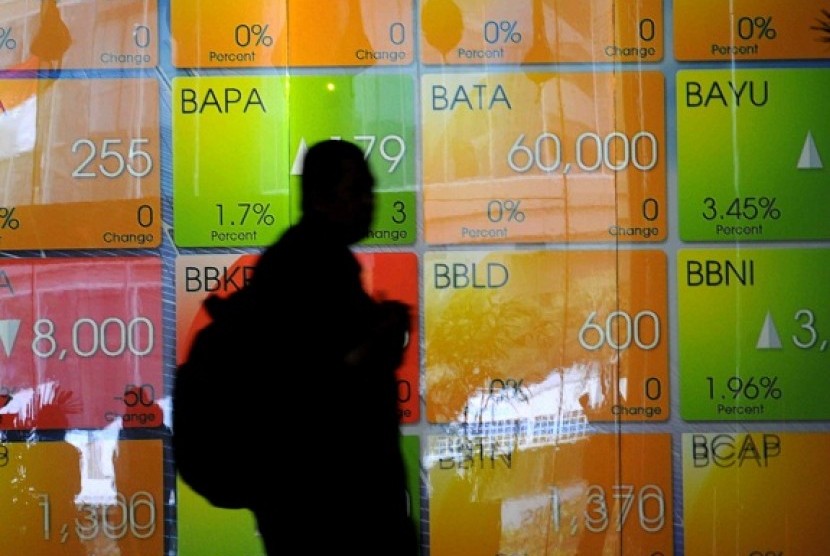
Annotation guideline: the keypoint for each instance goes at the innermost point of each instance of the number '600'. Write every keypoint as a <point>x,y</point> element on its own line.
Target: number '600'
<point>619,331</point>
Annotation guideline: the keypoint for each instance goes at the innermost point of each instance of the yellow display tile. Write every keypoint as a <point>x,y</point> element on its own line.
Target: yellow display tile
<point>713,30</point>
<point>80,34</point>
<point>529,157</point>
<point>82,166</point>
<point>256,34</point>
<point>88,494</point>
<point>526,335</point>
<point>241,34</point>
<point>550,492</point>
<point>457,32</point>
<point>756,493</point>
<point>351,33</point>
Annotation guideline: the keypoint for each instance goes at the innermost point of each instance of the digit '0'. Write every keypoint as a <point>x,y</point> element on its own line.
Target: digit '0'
<point>144,216</point>
<point>127,334</point>
<point>141,36</point>
<point>651,209</point>
<point>653,388</point>
<point>647,29</point>
<point>397,33</point>
<point>629,150</point>
<point>128,514</point>
<point>404,391</point>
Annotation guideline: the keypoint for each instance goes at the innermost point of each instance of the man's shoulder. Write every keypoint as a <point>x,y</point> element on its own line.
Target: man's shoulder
<point>294,241</point>
<point>306,249</point>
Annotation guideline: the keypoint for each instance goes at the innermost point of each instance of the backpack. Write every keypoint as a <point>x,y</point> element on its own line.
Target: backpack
<point>206,436</point>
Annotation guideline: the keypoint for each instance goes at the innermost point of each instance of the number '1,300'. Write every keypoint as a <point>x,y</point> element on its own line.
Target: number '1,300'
<point>135,516</point>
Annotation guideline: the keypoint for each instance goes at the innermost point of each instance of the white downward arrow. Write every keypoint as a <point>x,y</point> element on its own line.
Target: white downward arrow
<point>8,334</point>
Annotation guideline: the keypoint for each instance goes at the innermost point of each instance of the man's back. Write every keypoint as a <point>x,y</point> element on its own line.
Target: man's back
<point>334,424</point>
<point>329,408</point>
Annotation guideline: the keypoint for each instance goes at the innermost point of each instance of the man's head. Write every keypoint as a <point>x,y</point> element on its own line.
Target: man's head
<point>337,189</point>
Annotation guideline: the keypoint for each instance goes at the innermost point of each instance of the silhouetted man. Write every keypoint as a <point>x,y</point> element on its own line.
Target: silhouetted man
<point>323,441</point>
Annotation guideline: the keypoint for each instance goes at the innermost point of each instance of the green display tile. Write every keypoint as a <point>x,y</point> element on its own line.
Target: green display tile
<point>752,153</point>
<point>754,334</point>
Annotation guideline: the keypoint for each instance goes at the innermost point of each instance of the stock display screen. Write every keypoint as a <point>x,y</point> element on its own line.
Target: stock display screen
<point>606,216</point>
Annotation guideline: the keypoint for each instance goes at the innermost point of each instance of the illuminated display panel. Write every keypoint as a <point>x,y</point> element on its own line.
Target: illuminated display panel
<point>759,174</point>
<point>244,198</point>
<point>198,276</point>
<point>531,157</point>
<point>204,529</point>
<point>750,30</point>
<point>376,112</point>
<point>223,196</point>
<point>752,482</point>
<point>538,32</point>
<point>753,335</point>
<point>80,167</point>
<point>351,33</point>
<point>545,334</point>
<point>173,130</point>
<point>385,276</point>
<point>245,33</point>
<point>83,495</point>
<point>84,34</point>
<point>82,343</point>
<point>395,276</point>
<point>547,490</point>
<point>411,450</point>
